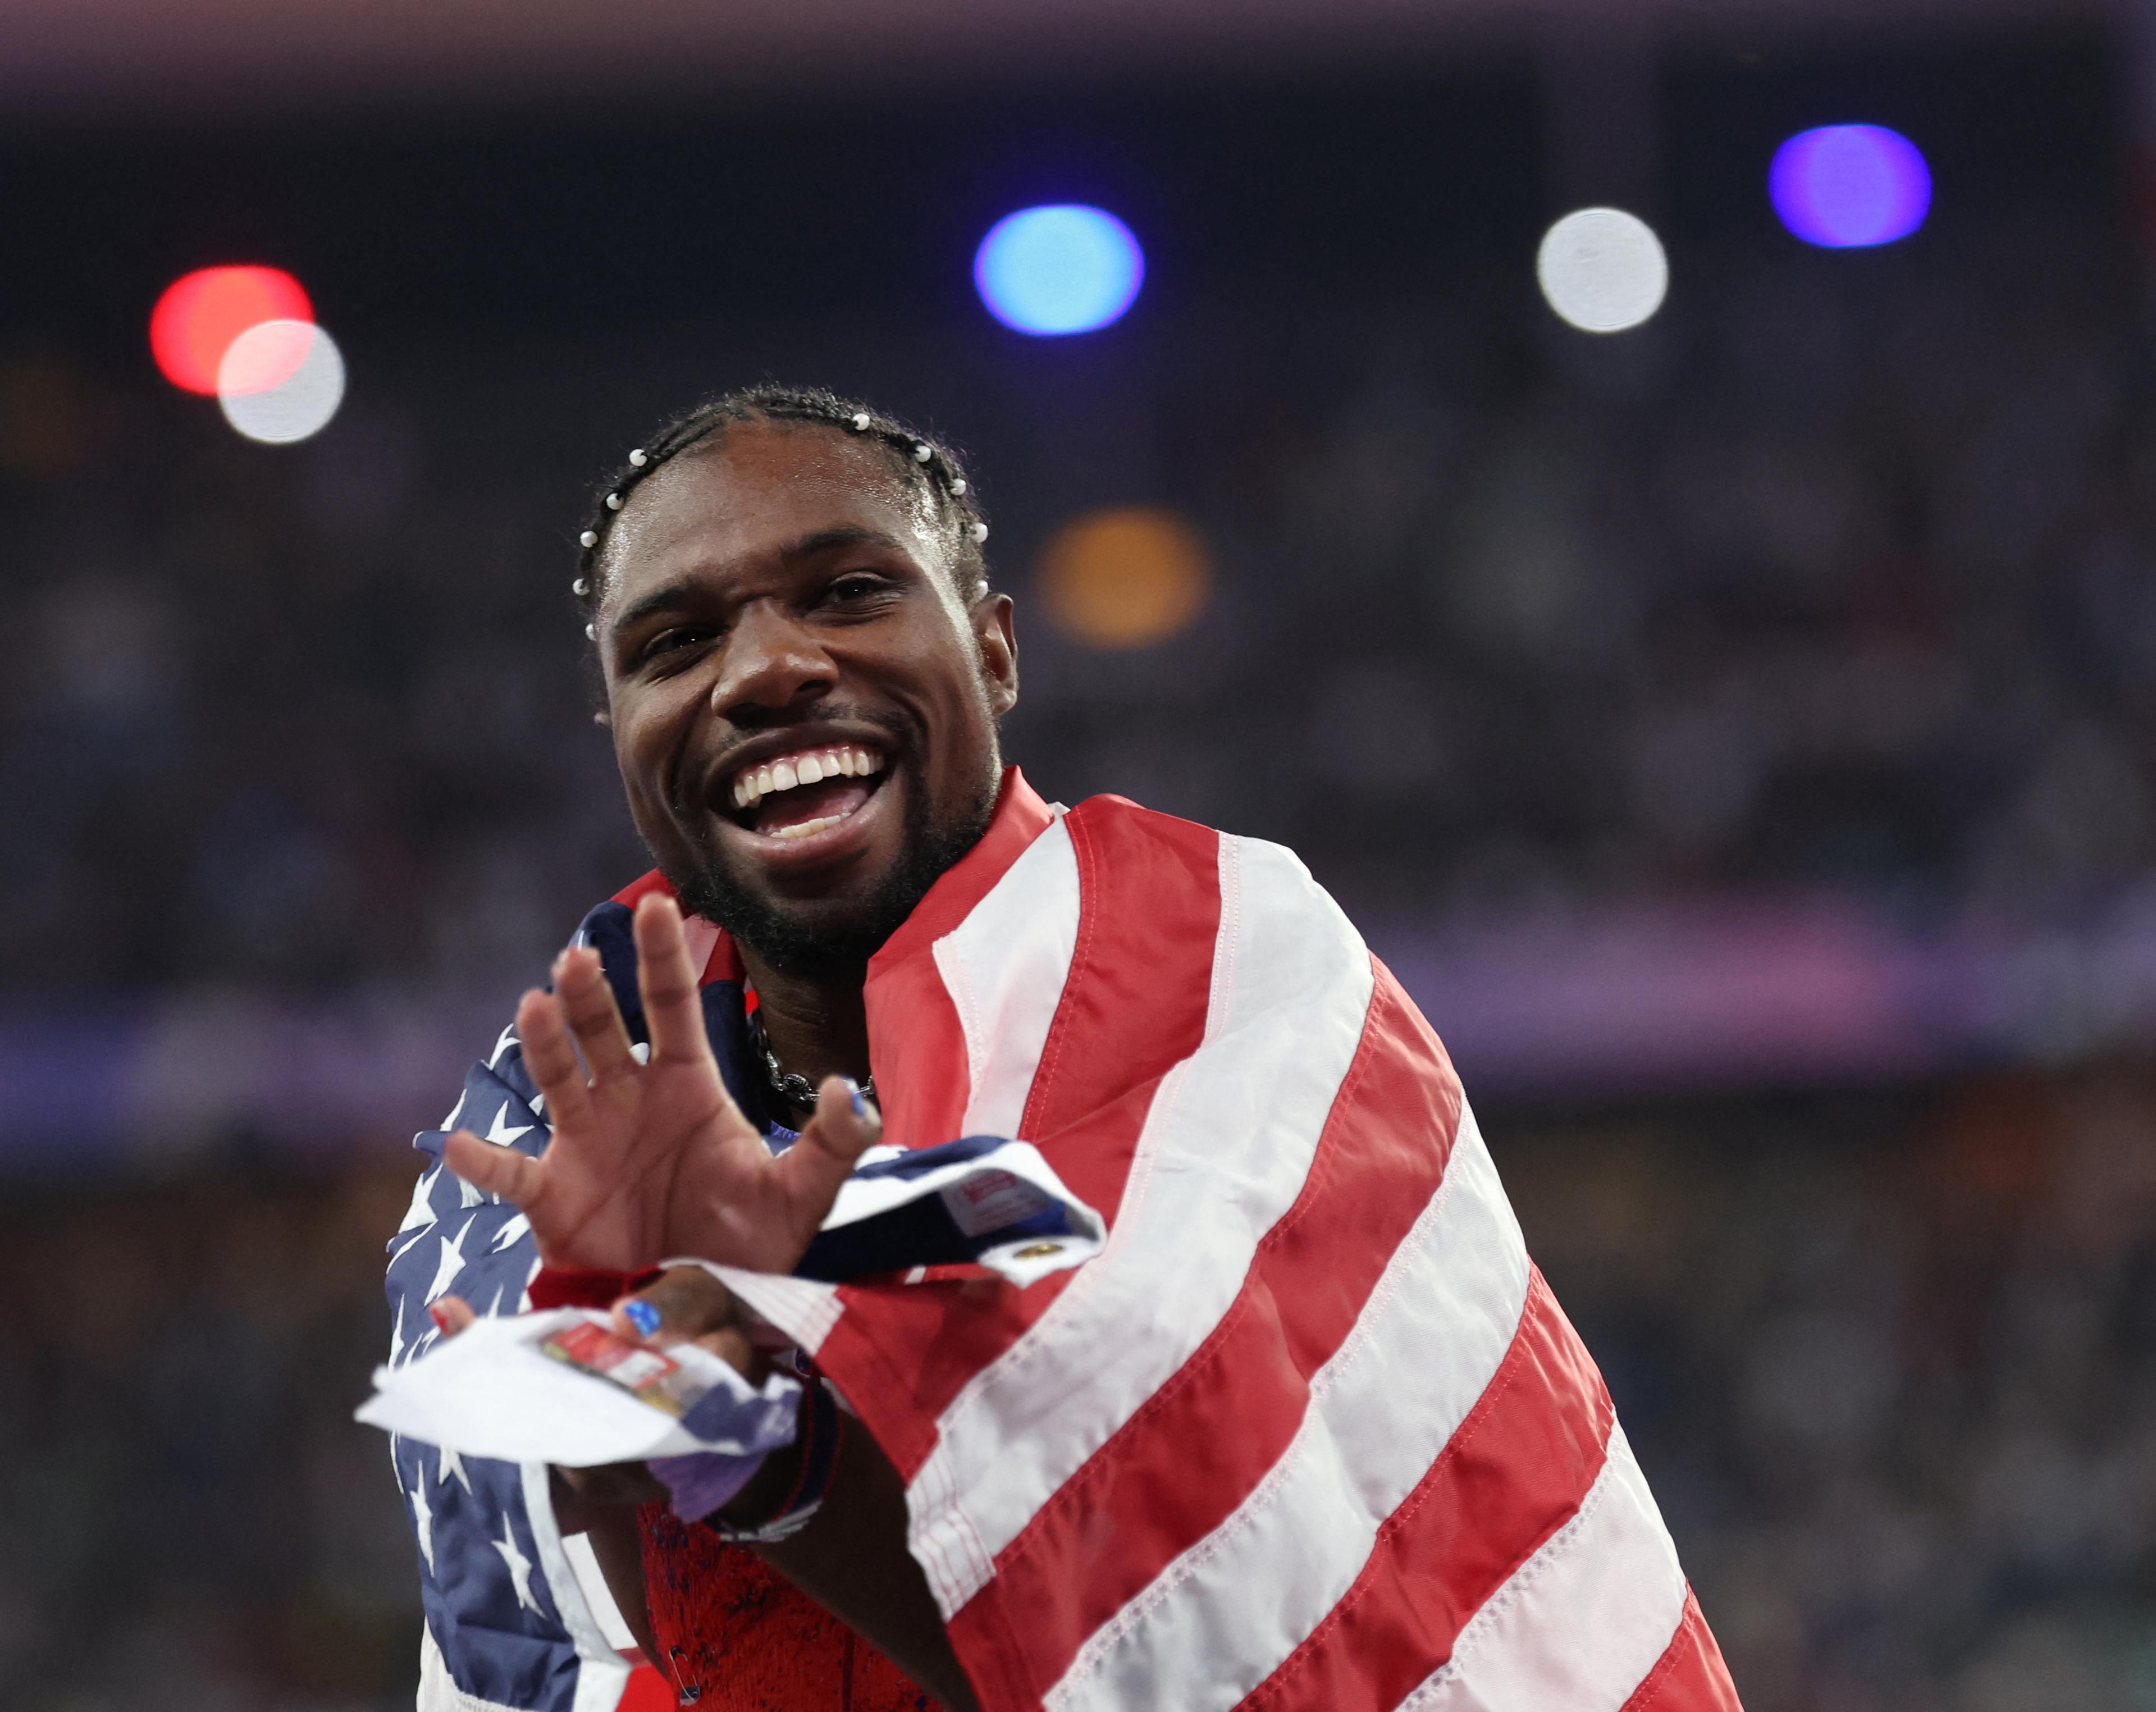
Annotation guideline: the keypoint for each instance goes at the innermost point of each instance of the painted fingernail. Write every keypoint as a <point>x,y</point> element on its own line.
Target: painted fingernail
<point>854,1093</point>
<point>641,1314</point>
<point>440,1316</point>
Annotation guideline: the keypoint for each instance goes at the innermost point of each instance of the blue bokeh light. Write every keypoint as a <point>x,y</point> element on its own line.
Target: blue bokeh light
<point>1846,186</point>
<point>1063,268</point>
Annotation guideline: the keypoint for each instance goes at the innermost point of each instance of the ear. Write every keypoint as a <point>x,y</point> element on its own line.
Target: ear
<point>995,639</point>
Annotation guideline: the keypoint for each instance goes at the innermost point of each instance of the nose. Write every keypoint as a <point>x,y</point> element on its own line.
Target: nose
<point>770,663</point>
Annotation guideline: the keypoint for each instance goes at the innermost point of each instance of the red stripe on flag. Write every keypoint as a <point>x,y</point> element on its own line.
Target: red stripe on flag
<point>1144,1498</point>
<point>631,894</point>
<point>917,1046</point>
<point>1511,1476</point>
<point>1691,1675</point>
<point>1134,1006</point>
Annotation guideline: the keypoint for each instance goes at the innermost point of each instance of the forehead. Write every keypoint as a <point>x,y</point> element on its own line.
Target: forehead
<point>733,503</point>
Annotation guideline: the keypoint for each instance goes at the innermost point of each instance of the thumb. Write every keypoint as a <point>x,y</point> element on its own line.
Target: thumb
<point>514,1176</point>
<point>845,1126</point>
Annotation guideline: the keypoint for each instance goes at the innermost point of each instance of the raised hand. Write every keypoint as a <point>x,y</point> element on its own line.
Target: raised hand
<point>654,1159</point>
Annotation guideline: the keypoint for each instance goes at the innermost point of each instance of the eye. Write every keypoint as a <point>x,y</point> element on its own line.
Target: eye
<point>673,641</point>
<point>857,585</point>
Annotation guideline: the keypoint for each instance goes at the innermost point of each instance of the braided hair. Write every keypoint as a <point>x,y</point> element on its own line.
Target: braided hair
<point>932,468</point>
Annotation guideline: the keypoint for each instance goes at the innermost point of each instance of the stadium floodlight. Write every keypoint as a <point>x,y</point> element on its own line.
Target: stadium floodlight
<point>1062,268</point>
<point>1849,187</point>
<point>1602,269</point>
<point>200,314</point>
<point>281,382</point>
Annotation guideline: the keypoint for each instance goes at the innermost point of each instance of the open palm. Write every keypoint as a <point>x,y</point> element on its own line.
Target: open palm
<point>653,1159</point>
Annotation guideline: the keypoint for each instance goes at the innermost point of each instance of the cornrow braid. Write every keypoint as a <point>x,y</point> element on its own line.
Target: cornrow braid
<point>930,466</point>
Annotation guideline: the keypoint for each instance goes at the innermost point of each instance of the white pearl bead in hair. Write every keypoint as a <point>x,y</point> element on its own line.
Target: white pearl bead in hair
<point>590,538</point>
<point>637,458</point>
<point>921,455</point>
<point>958,486</point>
<point>580,587</point>
<point>979,532</point>
<point>614,501</point>
<point>591,633</point>
<point>860,419</point>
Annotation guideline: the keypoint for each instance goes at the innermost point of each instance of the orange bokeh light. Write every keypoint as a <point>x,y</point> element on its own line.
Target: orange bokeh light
<point>201,313</point>
<point>1125,578</point>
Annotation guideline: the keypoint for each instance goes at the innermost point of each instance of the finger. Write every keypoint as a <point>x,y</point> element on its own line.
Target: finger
<point>688,1305</point>
<point>587,1002</point>
<point>845,1126</point>
<point>667,978</point>
<point>684,1302</point>
<point>514,1176</point>
<point>451,1315</point>
<point>551,1056</point>
<point>732,1346</point>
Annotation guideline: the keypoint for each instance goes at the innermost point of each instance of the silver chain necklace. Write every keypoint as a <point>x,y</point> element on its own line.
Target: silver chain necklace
<point>795,1090</point>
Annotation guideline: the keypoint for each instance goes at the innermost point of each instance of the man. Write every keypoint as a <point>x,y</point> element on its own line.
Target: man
<point>1309,1431</point>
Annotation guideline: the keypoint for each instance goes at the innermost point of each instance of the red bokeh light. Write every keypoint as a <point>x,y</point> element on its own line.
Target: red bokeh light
<point>201,313</point>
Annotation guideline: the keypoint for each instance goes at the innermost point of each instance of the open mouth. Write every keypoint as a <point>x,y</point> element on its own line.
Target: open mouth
<point>808,790</point>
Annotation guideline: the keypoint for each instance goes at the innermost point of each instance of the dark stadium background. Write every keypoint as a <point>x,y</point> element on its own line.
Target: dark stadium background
<point>1737,732</point>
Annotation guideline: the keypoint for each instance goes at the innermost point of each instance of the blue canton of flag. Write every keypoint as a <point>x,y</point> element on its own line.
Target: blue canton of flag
<point>505,1615</point>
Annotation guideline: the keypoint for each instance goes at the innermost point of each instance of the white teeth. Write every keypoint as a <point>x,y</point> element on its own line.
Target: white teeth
<point>805,827</point>
<point>752,785</point>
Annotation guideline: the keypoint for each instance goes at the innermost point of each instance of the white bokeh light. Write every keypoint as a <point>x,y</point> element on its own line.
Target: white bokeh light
<point>280,381</point>
<point>1602,269</point>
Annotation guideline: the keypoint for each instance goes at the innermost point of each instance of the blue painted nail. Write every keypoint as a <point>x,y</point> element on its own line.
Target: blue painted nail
<point>854,1093</point>
<point>641,1314</point>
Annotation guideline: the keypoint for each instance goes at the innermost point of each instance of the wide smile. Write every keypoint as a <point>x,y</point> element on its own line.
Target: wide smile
<point>807,803</point>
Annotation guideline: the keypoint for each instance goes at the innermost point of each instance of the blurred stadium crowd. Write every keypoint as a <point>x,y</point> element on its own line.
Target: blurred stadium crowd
<point>1835,579</point>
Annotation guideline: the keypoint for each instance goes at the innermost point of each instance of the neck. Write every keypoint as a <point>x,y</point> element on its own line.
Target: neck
<point>818,1027</point>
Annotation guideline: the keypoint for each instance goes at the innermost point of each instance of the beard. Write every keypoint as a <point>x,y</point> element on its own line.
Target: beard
<point>812,941</point>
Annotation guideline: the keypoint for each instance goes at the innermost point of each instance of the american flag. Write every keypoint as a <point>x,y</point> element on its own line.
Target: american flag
<point>1311,1430</point>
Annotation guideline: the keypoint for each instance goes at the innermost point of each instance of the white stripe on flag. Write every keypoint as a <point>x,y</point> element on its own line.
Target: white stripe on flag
<point>1225,1150</point>
<point>1220,1619</point>
<point>1005,966</point>
<point>804,1308</point>
<point>1580,1624</point>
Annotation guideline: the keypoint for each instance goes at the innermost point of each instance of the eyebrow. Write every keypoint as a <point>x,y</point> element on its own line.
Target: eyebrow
<point>672,597</point>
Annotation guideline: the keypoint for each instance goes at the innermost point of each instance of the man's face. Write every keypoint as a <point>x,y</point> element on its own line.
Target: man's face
<point>803,711</point>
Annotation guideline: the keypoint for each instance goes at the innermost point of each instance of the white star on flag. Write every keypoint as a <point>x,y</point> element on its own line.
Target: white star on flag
<point>456,1110</point>
<point>397,1334</point>
<point>500,1133</point>
<point>502,1043</point>
<point>423,1518</point>
<point>422,1210</point>
<point>510,1233</point>
<point>452,1463</point>
<point>520,1566</point>
<point>452,1261</point>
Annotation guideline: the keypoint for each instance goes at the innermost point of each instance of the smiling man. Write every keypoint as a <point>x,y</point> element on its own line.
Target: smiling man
<point>1308,1430</point>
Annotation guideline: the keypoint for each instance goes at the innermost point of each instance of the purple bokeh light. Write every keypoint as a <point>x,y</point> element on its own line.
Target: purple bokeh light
<point>1846,186</point>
